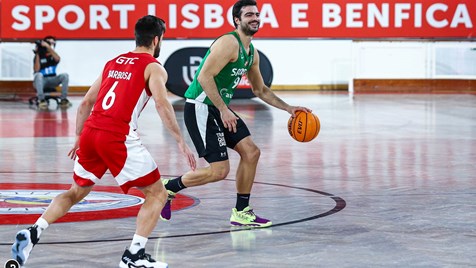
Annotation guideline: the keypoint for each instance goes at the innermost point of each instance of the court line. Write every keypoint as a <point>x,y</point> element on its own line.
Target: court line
<point>340,204</point>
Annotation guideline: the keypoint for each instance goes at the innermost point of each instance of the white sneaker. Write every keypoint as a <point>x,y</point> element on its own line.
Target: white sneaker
<point>25,240</point>
<point>140,260</point>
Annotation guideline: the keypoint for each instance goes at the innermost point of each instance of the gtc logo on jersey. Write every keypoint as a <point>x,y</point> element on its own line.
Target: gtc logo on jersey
<point>125,60</point>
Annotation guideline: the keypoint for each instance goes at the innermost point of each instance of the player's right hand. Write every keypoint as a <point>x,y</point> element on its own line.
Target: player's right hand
<point>229,120</point>
<point>187,152</point>
<point>72,152</point>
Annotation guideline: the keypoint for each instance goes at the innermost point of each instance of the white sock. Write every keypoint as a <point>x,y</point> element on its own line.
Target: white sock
<point>42,225</point>
<point>137,243</point>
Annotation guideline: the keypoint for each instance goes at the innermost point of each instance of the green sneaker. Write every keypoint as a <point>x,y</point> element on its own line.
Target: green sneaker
<point>247,217</point>
<point>166,212</point>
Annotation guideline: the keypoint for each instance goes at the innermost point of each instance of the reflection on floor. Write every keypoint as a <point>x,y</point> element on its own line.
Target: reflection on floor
<point>389,182</point>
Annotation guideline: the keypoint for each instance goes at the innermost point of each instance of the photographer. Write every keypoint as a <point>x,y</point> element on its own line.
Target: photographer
<point>44,67</point>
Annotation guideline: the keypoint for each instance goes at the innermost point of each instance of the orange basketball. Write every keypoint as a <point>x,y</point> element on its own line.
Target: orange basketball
<point>304,127</point>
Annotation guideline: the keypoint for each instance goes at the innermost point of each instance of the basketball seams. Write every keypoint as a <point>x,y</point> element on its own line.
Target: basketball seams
<point>305,128</point>
<point>296,125</point>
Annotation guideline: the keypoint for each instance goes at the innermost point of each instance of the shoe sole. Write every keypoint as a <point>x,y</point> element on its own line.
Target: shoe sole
<point>22,247</point>
<point>131,265</point>
<point>235,223</point>
<point>164,219</point>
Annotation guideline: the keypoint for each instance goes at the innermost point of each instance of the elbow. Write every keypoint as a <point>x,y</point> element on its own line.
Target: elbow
<point>204,78</point>
<point>200,79</point>
<point>258,92</point>
<point>86,106</point>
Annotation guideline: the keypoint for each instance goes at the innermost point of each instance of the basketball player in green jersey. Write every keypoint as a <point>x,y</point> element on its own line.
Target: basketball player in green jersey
<point>213,126</point>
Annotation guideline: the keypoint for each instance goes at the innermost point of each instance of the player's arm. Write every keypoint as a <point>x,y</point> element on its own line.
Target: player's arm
<point>265,93</point>
<point>157,77</point>
<point>84,110</point>
<point>224,50</point>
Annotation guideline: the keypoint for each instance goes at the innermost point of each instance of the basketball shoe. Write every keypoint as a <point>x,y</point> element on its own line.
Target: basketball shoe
<point>247,217</point>
<point>166,212</point>
<point>25,240</point>
<point>140,260</point>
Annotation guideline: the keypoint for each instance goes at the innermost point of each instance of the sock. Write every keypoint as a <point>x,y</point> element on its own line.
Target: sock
<point>175,185</point>
<point>137,243</point>
<point>242,201</point>
<point>42,225</point>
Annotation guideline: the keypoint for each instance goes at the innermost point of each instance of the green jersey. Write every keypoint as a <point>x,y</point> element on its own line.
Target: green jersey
<point>227,79</point>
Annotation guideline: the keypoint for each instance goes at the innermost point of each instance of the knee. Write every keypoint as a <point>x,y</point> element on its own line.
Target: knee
<point>219,173</point>
<point>75,196</point>
<point>64,77</point>
<point>37,76</point>
<point>251,154</point>
<point>155,191</point>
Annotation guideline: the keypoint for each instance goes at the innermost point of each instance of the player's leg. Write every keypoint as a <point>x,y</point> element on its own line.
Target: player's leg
<point>132,166</point>
<point>246,171</point>
<point>241,141</point>
<point>216,171</point>
<point>26,239</point>
<point>135,256</point>
<point>63,202</point>
<point>206,131</point>
<point>86,165</point>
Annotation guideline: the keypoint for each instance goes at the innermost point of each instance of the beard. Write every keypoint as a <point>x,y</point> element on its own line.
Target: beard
<point>248,30</point>
<point>157,51</point>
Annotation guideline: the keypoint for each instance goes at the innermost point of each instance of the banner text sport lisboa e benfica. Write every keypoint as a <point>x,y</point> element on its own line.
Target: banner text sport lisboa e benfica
<point>115,19</point>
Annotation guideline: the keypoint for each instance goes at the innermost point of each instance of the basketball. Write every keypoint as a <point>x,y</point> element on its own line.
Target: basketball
<point>304,127</point>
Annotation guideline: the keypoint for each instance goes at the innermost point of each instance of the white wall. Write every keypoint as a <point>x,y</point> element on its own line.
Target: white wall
<point>295,62</point>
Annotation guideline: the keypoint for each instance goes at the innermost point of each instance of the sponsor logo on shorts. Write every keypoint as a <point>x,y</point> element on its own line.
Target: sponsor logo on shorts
<point>221,139</point>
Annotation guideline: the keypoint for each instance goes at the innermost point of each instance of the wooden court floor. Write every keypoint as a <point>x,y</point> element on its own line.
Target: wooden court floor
<point>389,182</point>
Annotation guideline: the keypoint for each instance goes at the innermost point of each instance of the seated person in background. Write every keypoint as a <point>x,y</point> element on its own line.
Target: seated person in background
<point>44,67</point>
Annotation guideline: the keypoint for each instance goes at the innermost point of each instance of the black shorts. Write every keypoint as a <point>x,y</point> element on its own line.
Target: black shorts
<point>207,132</point>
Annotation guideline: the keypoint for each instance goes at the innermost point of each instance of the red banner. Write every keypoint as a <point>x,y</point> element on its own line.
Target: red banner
<point>355,19</point>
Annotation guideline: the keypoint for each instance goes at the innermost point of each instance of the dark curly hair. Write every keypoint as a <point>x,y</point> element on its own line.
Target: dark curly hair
<point>238,6</point>
<point>147,28</point>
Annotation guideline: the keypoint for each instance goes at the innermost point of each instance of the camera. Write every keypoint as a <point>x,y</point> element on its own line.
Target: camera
<point>39,48</point>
